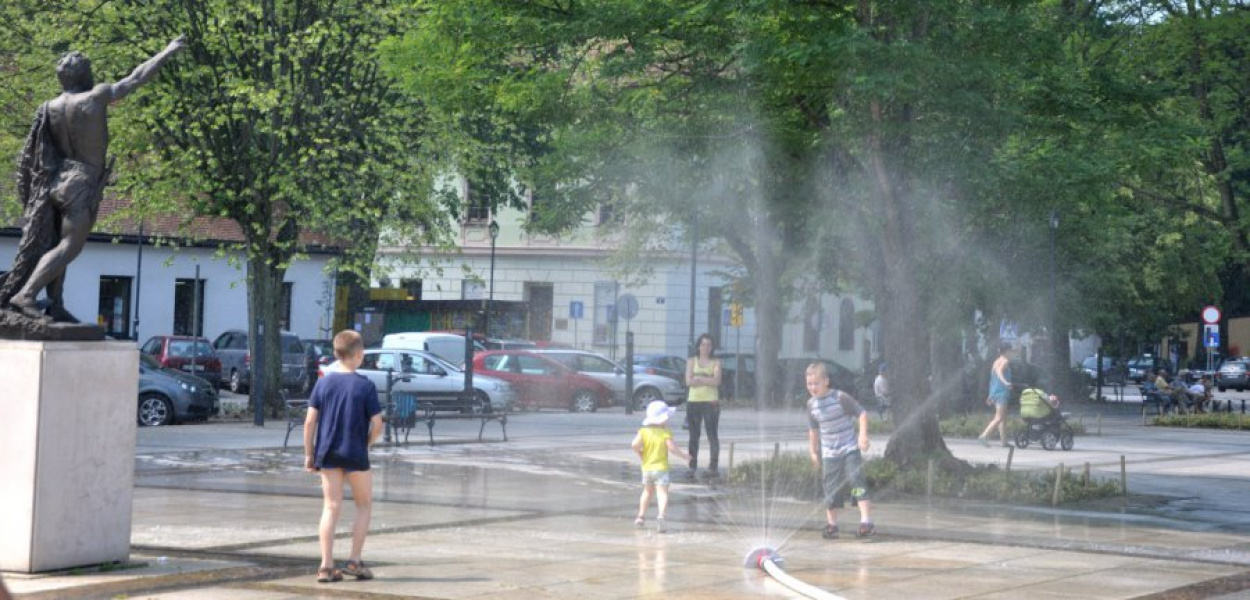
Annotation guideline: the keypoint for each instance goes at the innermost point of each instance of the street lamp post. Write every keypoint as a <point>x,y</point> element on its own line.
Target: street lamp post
<point>1054,334</point>
<point>493,229</point>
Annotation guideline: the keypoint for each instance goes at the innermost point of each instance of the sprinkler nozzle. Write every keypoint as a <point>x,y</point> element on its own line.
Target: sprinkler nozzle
<point>756,558</point>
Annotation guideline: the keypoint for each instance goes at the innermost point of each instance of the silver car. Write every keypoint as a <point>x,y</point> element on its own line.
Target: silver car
<point>432,379</point>
<point>647,388</point>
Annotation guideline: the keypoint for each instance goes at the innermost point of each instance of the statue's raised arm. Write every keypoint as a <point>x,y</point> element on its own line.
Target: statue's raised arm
<point>146,71</point>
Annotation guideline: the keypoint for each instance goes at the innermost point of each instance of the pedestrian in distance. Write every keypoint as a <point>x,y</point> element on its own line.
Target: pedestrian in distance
<point>999,394</point>
<point>837,438</point>
<point>344,420</point>
<point>652,444</point>
<point>703,375</point>
<point>881,389</point>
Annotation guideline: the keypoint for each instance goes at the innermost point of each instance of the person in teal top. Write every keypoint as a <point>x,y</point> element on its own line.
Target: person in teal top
<point>1000,394</point>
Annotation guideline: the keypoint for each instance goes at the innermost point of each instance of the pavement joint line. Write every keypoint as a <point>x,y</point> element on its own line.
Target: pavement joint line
<point>166,583</point>
<point>1211,588</point>
<point>341,589</point>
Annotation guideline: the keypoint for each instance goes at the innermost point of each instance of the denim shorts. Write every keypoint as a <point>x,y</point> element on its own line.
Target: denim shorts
<point>843,476</point>
<point>655,478</point>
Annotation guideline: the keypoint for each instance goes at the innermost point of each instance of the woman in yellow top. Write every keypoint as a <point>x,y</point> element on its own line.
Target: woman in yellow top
<point>703,403</point>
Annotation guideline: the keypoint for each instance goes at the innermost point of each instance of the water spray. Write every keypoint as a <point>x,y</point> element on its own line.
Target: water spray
<point>771,562</point>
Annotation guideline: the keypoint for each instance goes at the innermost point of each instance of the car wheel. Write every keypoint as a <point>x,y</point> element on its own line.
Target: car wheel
<point>480,403</point>
<point>236,381</point>
<point>583,401</point>
<point>1066,441</point>
<point>155,410</point>
<point>646,396</point>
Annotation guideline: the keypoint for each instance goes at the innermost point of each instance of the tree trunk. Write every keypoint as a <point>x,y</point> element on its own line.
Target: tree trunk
<point>263,297</point>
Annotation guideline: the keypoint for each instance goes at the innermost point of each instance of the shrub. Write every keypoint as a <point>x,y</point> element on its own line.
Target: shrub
<point>793,475</point>
<point>968,426</point>
<point>1206,421</point>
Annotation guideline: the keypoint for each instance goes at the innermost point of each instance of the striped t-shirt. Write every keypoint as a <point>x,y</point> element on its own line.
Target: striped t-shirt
<point>835,415</point>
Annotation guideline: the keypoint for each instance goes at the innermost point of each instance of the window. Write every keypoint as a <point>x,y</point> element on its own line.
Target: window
<point>284,306</point>
<point>413,287</point>
<point>846,325</point>
<point>472,289</point>
<point>153,347</point>
<point>532,365</point>
<point>188,307</point>
<point>813,317</point>
<point>114,313</point>
<point>594,364</point>
<point>605,215</point>
<point>476,205</point>
<point>379,361</point>
<point>496,362</point>
<point>605,313</point>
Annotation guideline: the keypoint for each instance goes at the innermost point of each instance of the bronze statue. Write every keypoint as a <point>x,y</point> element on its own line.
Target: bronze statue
<point>61,178</point>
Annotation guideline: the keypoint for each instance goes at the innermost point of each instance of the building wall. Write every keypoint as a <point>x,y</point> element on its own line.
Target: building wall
<point>225,286</point>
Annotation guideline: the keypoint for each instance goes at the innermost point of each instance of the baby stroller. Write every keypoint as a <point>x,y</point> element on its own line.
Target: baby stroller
<point>1043,422</point>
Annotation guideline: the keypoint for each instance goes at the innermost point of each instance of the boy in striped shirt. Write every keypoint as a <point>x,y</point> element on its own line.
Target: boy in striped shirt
<point>837,436</point>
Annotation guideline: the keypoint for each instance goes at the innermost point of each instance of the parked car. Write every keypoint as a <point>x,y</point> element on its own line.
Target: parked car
<point>673,367</point>
<point>316,354</point>
<point>493,344</point>
<point>1146,362</point>
<point>733,385</point>
<point>1233,374</point>
<point>792,375</point>
<point>541,382</point>
<point>447,346</point>
<point>185,353</point>
<point>432,379</point>
<point>647,388</point>
<point>1113,371</point>
<point>236,360</point>
<point>168,396</point>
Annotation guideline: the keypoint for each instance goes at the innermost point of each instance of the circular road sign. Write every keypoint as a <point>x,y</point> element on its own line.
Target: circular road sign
<point>627,304</point>
<point>1211,315</point>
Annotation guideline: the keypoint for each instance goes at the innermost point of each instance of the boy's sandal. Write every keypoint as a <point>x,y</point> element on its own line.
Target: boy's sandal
<point>328,575</point>
<point>357,570</point>
<point>830,532</point>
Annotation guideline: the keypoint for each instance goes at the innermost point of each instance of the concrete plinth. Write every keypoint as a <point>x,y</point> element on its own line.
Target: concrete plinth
<point>67,446</point>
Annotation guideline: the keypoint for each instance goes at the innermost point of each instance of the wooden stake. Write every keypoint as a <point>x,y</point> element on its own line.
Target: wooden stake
<point>1123,476</point>
<point>1100,424</point>
<point>1058,484</point>
<point>1085,477</point>
<point>731,456</point>
<point>776,450</point>
<point>1011,453</point>
<point>928,487</point>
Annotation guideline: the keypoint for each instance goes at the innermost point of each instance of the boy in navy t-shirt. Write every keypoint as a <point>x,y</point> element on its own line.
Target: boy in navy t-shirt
<point>344,419</point>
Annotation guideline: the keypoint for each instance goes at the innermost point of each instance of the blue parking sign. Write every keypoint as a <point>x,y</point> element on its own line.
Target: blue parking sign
<point>575,309</point>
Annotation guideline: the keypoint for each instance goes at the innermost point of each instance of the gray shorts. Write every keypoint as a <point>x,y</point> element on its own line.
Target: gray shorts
<point>843,476</point>
<point>659,478</point>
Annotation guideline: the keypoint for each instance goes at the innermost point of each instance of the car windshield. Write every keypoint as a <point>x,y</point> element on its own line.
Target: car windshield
<point>148,361</point>
<point>292,345</point>
<point>181,348</point>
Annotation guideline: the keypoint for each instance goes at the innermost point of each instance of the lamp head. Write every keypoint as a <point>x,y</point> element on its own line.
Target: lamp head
<point>493,229</point>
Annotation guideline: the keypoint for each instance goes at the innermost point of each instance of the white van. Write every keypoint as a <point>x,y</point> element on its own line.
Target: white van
<point>447,346</point>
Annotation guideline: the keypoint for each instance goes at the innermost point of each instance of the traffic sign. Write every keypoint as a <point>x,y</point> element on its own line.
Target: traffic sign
<point>1211,315</point>
<point>735,314</point>
<point>1211,336</point>
<point>627,304</point>
<point>576,309</point>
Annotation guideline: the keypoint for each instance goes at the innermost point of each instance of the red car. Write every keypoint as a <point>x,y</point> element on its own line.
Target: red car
<point>194,355</point>
<point>541,382</point>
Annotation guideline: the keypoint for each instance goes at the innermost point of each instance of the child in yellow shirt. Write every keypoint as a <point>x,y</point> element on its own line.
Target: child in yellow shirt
<point>652,444</point>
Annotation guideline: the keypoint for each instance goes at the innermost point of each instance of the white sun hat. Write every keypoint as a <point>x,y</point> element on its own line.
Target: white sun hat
<point>657,413</point>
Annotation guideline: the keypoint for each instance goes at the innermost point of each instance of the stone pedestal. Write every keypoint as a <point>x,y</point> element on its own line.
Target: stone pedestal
<point>67,453</point>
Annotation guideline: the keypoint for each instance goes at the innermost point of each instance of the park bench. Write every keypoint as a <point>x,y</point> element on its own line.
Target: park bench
<point>406,410</point>
<point>1152,397</point>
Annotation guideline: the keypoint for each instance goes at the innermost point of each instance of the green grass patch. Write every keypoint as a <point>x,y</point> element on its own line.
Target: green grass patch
<point>969,426</point>
<point>1205,421</point>
<point>793,475</point>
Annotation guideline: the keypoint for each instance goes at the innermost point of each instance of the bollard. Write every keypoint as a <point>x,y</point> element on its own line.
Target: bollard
<point>928,486</point>
<point>731,457</point>
<point>1058,484</point>
<point>1085,477</point>
<point>1011,453</point>
<point>1100,424</point>
<point>1123,476</point>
